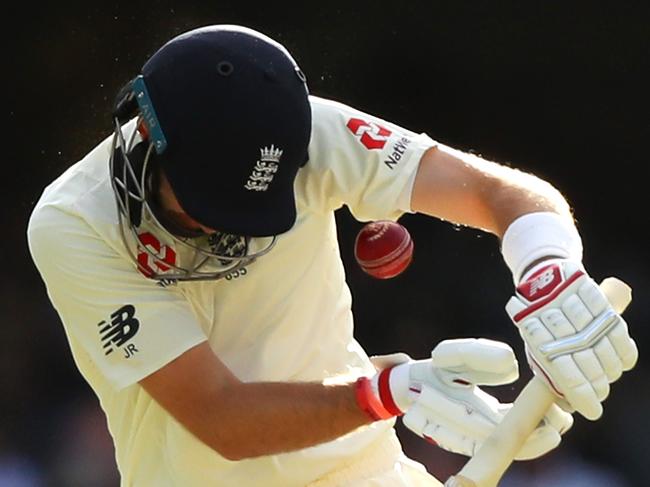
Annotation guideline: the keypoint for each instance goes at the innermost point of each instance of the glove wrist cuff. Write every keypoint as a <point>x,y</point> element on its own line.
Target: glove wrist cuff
<point>537,235</point>
<point>385,391</point>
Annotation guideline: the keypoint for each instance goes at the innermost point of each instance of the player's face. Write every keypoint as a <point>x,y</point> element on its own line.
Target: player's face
<point>174,213</point>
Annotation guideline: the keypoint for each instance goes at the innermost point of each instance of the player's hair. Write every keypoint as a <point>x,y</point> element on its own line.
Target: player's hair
<point>125,106</point>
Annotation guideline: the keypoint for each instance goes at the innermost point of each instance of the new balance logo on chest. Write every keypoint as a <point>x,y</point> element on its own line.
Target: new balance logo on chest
<point>264,170</point>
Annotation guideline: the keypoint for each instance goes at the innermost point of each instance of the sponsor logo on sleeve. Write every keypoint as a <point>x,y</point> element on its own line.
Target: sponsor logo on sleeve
<point>372,135</point>
<point>118,331</point>
<point>398,152</point>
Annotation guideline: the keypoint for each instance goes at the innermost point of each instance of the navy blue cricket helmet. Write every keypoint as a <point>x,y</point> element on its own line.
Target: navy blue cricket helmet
<point>227,118</point>
<point>228,110</point>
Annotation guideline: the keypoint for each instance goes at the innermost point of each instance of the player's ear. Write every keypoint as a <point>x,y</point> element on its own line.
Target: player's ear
<point>125,105</point>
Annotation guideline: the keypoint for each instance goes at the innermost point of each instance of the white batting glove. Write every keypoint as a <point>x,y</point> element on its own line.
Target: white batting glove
<point>574,340</point>
<point>443,404</point>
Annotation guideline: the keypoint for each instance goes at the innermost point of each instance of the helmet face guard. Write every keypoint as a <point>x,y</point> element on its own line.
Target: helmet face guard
<point>212,256</point>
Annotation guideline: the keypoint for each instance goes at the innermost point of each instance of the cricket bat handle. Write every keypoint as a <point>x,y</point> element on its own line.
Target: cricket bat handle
<point>493,458</point>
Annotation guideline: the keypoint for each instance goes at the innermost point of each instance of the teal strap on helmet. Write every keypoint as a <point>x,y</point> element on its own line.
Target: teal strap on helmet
<point>156,135</point>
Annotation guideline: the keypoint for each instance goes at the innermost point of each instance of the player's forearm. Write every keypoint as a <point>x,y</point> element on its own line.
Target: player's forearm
<point>243,420</point>
<point>254,419</point>
<point>466,189</point>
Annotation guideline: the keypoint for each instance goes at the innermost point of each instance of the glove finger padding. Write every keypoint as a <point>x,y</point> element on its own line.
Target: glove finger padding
<point>540,442</point>
<point>462,423</point>
<point>475,361</point>
<point>548,434</point>
<point>452,425</point>
<point>558,419</point>
<point>625,346</point>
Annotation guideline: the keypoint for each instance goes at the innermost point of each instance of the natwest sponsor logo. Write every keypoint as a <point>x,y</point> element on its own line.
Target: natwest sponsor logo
<point>154,257</point>
<point>398,152</point>
<point>372,136</point>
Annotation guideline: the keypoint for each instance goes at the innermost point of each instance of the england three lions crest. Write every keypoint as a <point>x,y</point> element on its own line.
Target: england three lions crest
<point>264,170</point>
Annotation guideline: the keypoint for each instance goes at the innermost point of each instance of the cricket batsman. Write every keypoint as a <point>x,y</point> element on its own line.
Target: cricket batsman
<point>192,257</point>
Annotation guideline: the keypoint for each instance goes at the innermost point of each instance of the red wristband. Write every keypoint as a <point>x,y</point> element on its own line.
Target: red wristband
<point>369,402</point>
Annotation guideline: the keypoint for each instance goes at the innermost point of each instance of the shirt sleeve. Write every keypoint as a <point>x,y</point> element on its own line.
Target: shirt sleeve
<point>361,161</point>
<point>126,324</point>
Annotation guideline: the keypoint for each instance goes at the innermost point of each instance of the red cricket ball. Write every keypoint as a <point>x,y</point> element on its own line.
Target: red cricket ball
<point>383,249</point>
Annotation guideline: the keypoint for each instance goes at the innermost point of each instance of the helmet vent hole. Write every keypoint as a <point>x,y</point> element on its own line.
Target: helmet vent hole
<point>225,68</point>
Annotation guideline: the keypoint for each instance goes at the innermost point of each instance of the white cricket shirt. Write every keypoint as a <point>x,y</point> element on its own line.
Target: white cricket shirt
<point>285,317</point>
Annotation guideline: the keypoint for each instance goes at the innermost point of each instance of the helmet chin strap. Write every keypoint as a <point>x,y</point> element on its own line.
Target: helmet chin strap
<point>133,178</point>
